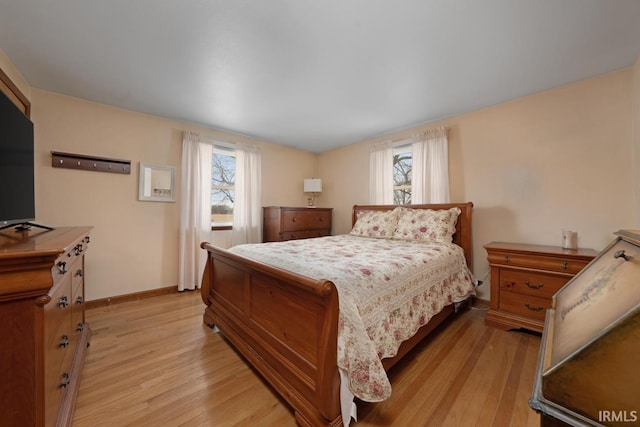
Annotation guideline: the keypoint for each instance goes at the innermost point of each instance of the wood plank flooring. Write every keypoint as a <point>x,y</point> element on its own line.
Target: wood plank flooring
<point>153,362</point>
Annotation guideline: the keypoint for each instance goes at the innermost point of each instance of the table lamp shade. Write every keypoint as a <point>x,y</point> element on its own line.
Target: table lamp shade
<point>313,185</point>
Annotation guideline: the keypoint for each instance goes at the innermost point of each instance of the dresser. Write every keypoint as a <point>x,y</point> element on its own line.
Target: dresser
<point>44,335</point>
<point>289,223</point>
<point>587,371</point>
<point>524,278</point>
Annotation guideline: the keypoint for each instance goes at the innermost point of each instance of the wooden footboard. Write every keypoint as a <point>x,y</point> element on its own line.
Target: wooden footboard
<point>284,324</point>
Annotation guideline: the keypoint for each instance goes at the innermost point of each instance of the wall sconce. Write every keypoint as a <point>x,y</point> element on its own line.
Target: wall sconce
<point>312,186</point>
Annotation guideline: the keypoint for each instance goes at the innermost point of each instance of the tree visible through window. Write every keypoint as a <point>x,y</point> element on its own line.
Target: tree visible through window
<point>223,178</point>
<point>402,162</point>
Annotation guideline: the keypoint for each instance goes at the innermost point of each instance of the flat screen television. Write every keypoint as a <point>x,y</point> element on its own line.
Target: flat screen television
<point>17,194</point>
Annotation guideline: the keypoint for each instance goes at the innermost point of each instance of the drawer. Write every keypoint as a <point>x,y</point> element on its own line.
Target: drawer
<point>559,264</point>
<point>75,255</point>
<point>303,234</point>
<point>524,305</point>
<point>81,247</point>
<point>77,307</point>
<point>58,358</point>
<point>293,220</point>
<point>77,272</point>
<point>58,310</point>
<point>319,219</point>
<point>531,283</point>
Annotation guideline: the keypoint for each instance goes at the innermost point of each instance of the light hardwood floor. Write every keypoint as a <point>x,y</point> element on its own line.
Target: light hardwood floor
<point>153,362</point>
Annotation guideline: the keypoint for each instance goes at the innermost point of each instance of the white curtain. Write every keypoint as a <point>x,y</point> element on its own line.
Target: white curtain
<point>381,174</point>
<point>195,209</point>
<point>430,167</point>
<point>247,209</point>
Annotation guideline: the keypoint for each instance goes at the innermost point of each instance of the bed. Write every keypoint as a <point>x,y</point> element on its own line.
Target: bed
<point>290,326</point>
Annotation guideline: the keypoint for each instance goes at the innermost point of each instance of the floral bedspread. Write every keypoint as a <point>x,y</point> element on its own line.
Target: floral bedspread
<point>387,289</point>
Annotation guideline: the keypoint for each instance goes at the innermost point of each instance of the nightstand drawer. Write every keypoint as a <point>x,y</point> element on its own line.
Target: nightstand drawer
<point>559,264</point>
<point>524,305</point>
<point>530,283</point>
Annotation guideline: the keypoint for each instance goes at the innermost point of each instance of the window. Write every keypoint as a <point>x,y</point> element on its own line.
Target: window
<point>402,161</point>
<point>223,177</point>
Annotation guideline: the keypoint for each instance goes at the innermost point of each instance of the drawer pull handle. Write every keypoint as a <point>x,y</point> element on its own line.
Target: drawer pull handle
<point>293,219</point>
<point>63,302</point>
<point>529,285</point>
<point>79,273</point>
<point>621,254</point>
<point>506,258</point>
<point>64,343</point>
<point>538,308</point>
<point>79,300</point>
<point>62,267</point>
<point>80,327</point>
<point>78,249</point>
<point>564,265</point>
<point>65,381</point>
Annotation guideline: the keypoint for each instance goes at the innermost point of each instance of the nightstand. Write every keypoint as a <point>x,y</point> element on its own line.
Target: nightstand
<point>525,277</point>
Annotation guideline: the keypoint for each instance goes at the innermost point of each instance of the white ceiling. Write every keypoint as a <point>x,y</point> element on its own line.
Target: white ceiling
<point>314,74</point>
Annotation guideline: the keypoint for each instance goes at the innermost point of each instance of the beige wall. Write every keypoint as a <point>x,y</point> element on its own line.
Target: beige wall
<point>135,244</point>
<point>533,166</point>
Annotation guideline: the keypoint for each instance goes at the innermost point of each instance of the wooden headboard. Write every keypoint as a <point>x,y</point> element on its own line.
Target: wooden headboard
<point>462,237</point>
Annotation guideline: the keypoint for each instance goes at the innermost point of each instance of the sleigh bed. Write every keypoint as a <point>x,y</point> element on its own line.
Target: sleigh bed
<point>290,326</point>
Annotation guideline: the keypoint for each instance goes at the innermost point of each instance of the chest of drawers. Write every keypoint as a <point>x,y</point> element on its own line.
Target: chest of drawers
<point>287,223</point>
<point>44,336</point>
<point>525,277</point>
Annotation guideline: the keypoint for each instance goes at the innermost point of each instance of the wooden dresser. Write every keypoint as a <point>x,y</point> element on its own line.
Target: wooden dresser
<point>282,223</point>
<point>44,336</point>
<point>525,277</point>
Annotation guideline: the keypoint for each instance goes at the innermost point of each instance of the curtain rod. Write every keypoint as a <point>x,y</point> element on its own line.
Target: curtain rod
<point>231,145</point>
<point>393,143</point>
<point>426,132</point>
<point>209,140</point>
<point>212,141</point>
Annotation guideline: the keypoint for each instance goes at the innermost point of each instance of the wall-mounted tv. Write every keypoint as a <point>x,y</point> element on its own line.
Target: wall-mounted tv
<point>17,196</point>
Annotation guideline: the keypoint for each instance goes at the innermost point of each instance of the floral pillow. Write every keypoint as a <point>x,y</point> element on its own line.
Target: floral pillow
<point>427,225</point>
<point>378,224</point>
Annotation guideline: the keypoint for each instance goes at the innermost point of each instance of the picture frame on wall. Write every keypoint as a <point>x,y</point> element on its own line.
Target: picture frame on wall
<point>157,183</point>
